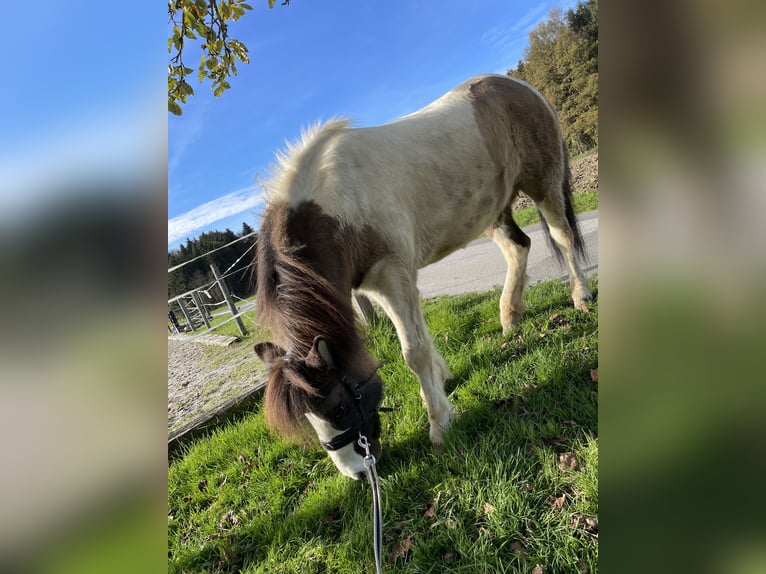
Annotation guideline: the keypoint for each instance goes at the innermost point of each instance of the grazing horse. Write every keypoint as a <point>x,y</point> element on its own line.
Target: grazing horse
<point>365,208</point>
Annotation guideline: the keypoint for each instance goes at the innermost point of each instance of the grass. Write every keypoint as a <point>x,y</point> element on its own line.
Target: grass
<point>581,202</point>
<point>494,501</point>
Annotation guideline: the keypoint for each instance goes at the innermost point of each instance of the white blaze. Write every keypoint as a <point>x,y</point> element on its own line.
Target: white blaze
<point>348,461</point>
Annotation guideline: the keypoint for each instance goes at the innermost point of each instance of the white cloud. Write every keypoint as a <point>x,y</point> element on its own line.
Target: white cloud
<point>233,203</point>
<point>510,38</point>
<point>531,17</point>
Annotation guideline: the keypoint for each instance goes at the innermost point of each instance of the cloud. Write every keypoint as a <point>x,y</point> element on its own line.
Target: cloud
<point>508,38</point>
<point>532,17</point>
<point>183,133</point>
<point>231,204</point>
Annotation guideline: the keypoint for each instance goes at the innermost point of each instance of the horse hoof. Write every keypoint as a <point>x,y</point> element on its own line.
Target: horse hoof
<point>512,324</point>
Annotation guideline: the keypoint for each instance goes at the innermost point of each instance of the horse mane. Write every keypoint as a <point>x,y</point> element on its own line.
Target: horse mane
<point>297,165</point>
<point>285,401</point>
<point>295,301</point>
<point>297,304</point>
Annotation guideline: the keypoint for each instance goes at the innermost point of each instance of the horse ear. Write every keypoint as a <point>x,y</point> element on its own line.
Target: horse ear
<point>269,353</point>
<point>319,356</point>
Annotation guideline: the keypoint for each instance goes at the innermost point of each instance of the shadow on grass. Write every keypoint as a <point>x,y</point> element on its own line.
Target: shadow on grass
<point>548,411</point>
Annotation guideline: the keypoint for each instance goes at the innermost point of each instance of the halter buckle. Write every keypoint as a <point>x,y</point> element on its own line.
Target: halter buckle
<point>369,459</point>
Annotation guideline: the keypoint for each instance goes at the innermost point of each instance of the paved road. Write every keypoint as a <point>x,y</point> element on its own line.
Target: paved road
<point>480,266</point>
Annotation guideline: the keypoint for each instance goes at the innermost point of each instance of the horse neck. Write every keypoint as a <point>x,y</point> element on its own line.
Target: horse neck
<point>310,293</point>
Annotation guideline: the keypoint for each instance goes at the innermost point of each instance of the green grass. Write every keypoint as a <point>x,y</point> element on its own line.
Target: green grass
<point>242,500</point>
<point>581,202</point>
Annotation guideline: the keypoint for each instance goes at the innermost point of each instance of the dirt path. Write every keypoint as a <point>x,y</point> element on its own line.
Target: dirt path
<point>201,376</point>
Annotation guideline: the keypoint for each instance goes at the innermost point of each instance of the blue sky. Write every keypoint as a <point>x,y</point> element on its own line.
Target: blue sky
<point>369,61</point>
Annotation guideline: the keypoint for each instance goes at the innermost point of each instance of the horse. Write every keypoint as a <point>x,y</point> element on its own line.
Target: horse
<point>365,208</point>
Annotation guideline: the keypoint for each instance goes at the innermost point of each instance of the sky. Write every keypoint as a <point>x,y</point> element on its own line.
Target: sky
<point>309,61</point>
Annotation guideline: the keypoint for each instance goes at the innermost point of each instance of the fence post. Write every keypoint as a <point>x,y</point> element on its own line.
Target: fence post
<point>201,308</point>
<point>186,313</point>
<point>229,300</point>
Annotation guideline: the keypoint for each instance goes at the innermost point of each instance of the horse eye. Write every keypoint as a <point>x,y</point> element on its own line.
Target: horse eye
<point>340,411</point>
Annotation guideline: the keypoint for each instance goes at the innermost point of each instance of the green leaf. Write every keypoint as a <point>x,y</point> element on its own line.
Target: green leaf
<point>174,107</point>
<point>246,6</point>
<point>271,3</point>
<point>219,90</point>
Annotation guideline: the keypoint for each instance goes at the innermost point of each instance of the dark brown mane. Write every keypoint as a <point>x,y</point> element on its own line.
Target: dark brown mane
<point>298,304</point>
<point>294,300</point>
<point>286,400</point>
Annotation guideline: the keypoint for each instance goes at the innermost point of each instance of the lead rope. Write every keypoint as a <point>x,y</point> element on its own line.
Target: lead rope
<point>377,515</point>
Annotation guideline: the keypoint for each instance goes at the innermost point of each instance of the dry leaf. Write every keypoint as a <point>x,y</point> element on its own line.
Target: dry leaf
<point>504,346</point>
<point>227,520</point>
<point>568,460</point>
<point>430,510</point>
<point>202,485</point>
<point>400,550</point>
<point>488,508</point>
<point>594,375</point>
<point>517,547</point>
<point>538,570</point>
<point>451,524</point>
<point>557,502</point>
<point>587,523</point>
<point>584,308</point>
<point>446,337</point>
<point>449,558</point>
<point>553,317</point>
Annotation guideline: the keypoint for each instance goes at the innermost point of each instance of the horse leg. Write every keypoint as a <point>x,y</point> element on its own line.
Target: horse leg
<point>396,290</point>
<point>553,210</point>
<point>514,244</point>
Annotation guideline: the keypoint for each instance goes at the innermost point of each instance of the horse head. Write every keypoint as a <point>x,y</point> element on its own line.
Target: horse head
<point>340,404</point>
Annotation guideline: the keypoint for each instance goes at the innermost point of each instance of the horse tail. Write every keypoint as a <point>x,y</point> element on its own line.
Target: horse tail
<point>566,196</point>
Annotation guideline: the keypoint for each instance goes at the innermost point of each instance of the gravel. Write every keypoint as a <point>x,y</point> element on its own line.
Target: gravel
<point>202,376</point>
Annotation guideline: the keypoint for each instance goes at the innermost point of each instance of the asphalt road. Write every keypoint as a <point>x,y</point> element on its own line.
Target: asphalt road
<point>480,265</point>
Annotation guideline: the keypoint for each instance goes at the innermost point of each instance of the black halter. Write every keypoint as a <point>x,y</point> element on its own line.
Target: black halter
<point>351,434</point>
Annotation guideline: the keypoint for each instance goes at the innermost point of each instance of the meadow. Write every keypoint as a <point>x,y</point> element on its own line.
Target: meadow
<point>515,490</point>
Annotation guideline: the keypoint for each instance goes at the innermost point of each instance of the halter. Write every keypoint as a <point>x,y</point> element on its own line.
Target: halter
<point>351,434</point>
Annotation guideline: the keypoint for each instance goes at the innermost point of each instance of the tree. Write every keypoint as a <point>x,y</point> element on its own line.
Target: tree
<point>213,247</point>
<point>561,60</point>
<point>207,21</point>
